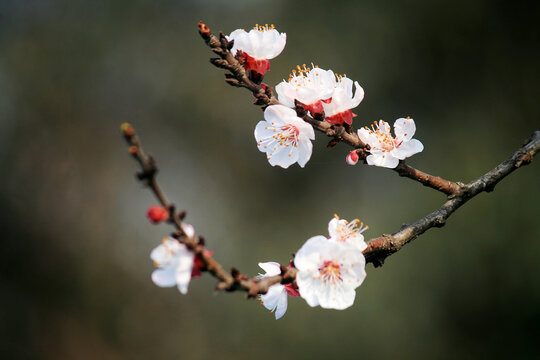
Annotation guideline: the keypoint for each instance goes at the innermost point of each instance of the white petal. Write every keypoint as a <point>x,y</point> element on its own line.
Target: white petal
<point>382,159</point>
<point>407,148</point>
<point>270,300</point>
<point>278,113</point>
<point>308,256</point>
<point>166,252</point>
<point>281,307</point>
<point>358,96</point>
<point>286,93</point>
<point>305,130</point>
<point>307,287</point>
<point>338,297</point>
<point>283,156</point>
<point>182,279</point>
<point>358,241</point>
<point>332,228</point>
<point>164,277</point>
<point>367,138</point>
<point>263,130</point>
<point>404,129</point>
<point>384,127</point>
<point>304,151</point>
<point>271,268</point>
<point>189,230</point>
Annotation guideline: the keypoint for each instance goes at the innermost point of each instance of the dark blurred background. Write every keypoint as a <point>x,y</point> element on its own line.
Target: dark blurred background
<point>75,270</point>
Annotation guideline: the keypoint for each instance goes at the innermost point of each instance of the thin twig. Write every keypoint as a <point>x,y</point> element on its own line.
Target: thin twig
<point>227,282</point>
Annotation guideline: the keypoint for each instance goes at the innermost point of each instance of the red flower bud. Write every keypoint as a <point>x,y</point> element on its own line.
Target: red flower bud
<point>157,214</point>
<point>352,158</point>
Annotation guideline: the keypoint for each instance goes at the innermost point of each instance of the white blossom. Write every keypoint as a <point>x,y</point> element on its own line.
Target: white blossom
<point>275,298</point>
<point>386,151</point>
<point>310,86</point>
<point>329,272</point>
<point>284,137</point>
<point>341,230</point>
<point>338,111</point>
<point>175,264</point>
<point>259,45</point>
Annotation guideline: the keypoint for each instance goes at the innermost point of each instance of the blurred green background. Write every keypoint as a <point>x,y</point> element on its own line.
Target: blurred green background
<point>75,269</point>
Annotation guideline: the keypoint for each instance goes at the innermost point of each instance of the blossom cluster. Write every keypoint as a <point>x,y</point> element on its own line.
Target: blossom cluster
<point>285,137</point>
<point>329,270</point>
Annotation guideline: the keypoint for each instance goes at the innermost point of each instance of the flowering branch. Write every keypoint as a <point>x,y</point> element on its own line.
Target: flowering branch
<point>227,282</point>
<point>382,247</point>
<point>326,270</point>
<point>378,249</point>
<point>264,95</point>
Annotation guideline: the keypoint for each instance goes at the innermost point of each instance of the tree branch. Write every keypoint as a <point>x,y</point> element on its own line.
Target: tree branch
<point>264,95</point>
<point>378,248</point>
<point>382,247</point>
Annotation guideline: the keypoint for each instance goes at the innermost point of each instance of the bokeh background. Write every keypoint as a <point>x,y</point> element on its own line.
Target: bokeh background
<point>75,270</point>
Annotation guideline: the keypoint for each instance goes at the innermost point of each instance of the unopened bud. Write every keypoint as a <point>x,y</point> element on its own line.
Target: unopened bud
<point>127,129</point>
<point>203,29</point>
<point>352,158</point>
<point>157,214</point>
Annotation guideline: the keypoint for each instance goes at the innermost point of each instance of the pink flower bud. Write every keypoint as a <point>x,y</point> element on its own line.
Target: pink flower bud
<point>352,158</point>
<point>157,214</point>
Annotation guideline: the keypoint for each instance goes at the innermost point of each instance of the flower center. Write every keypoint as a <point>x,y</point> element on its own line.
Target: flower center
<point>288,135</point>
<point>284,136</point>
<point>348,230</point>
<point>386,140</point>
<point>301,77</point>
<point>330,271</point>
<point>264,28</point>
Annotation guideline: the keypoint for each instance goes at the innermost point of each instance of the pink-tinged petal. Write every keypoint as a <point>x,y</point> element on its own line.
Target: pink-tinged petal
<point>407,149</point>
<point>404,129</point>
<point>304,151</point>
<point>271,268</point>
<point>164,277</point>
<point>291,290</point>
